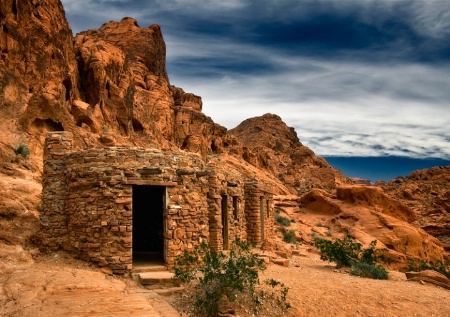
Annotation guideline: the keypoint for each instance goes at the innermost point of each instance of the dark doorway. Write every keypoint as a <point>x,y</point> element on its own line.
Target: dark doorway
<point>148,224</point>
<point>225,221</point>
<point>261,211</point>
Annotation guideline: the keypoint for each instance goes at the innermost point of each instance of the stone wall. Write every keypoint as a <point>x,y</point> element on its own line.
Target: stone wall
<point>88,202</point>
<point>54,217</point>
<point>226,203</point>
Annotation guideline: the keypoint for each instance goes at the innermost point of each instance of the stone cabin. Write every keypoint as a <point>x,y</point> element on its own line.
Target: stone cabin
<point>120,206</point>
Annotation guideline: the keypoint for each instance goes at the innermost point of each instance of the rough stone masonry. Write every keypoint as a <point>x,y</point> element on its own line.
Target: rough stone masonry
<point>94,206</point>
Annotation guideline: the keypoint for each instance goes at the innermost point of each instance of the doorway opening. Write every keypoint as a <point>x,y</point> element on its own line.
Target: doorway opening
<point>261,212</point>
<point>148,224</point>
<point>225,221</point>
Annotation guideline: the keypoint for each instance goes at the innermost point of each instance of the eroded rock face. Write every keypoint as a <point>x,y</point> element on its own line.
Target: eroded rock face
<point>366,214</point>
<point>124,79</point>
<point>272,145</point>
<point>427,192</point>
<point>38,70</point>
<point>374,198</point>
<point>127,91</point>
<point>429,276</point>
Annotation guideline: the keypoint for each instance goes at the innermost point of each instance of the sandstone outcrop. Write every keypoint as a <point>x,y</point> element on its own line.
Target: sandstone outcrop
<point>107,86</point>
<point>127,94</point>
<point>38,71</point>
<point>366,214</point>
<point>427,192</point>
<point>270,144</point>
<point>429,276</point>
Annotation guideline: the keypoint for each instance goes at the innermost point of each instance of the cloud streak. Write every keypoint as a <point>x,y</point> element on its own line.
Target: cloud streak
<point>352,77</point>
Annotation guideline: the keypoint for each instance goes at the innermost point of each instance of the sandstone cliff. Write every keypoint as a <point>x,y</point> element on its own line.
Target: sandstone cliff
<point>427,192</point>
<point>365,213</point>
<point>271,145</point>
<point>38,73</point>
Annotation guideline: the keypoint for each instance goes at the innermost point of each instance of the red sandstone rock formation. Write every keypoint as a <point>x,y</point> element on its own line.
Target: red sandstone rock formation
<point>270,144</point>
<point>429,276</point>
<point>38,71</point>
<point>427,192</point>
<point>365,213</point>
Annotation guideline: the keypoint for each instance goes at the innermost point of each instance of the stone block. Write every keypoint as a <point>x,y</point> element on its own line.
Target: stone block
<point>282,262</point>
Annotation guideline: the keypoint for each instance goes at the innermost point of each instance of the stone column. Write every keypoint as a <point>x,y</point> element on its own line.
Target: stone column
<point>214,209</point>
<point>252,211</point>
<point>53,216</point>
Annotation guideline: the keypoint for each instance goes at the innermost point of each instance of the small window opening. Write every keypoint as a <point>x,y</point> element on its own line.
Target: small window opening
<point>235,207</point>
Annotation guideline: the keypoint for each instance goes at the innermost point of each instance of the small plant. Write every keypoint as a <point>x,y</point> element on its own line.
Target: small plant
<point>342,252</point>
<point>289,236</point>
<point>329,233</point>
<point>235,275</point>
<point>283,221</point>
<point>346,252</point>
<point>105,128</point>
<point>369,271</point>
<point>438,266</point>
<point>349,253</point>
<point>319,224</point>
<point>22,149</point>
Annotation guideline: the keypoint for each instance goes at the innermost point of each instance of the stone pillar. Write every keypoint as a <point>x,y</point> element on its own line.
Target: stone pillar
<point>214,209</point>
<point>53,216</point>
<point>252,211</point>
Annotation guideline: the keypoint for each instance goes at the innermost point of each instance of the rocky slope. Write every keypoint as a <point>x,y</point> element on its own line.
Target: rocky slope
<point>271,145</point>
<point>364,213</point>
<point>427,192</point>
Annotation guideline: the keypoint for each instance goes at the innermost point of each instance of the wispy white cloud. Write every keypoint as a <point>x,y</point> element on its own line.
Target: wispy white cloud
<point>341,108</point>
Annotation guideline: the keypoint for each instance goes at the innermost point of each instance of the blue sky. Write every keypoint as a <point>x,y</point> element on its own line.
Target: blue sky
<point>353,77</point>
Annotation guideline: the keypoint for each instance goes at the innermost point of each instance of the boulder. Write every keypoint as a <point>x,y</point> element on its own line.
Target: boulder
<point>429,276</point>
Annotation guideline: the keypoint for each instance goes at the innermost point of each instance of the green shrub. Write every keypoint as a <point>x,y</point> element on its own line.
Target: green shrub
<point>369,271</point>
<point>346,252</point>
<point>438,266</point>
<point>283,221</point>
<point>289,237</point>
<point>349,253</point>
<point>215,274</point>
<point>22,149</point>
<point>342,252</point>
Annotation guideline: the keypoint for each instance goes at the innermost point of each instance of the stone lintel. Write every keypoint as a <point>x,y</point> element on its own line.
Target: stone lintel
<point>149,183</point>
<point>150,171</point>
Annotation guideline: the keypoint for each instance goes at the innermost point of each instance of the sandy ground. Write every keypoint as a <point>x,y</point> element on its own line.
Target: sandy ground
<point>56,285</point>
<point>318,289</point>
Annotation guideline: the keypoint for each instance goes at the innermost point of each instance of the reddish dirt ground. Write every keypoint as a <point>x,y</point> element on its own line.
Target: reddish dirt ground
<point>56,285</point>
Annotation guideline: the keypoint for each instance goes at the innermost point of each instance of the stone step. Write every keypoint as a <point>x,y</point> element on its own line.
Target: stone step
<point>169,291</point>
<point>149,268</point>
<point>160,278</point>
